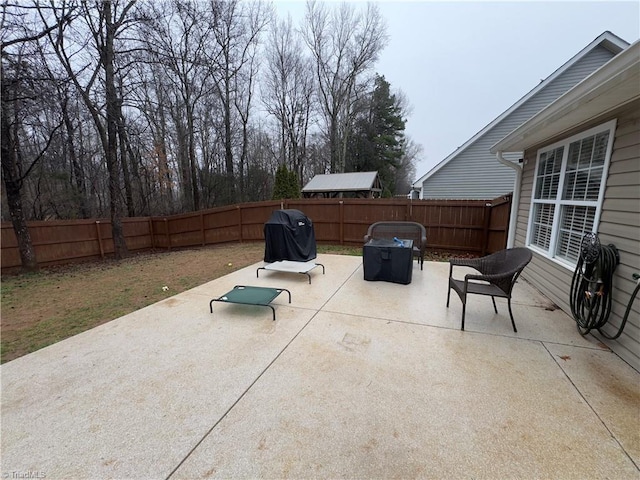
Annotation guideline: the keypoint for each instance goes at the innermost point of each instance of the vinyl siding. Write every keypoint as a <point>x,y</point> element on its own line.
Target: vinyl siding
<point>475,173</point>
<point>619,225</point>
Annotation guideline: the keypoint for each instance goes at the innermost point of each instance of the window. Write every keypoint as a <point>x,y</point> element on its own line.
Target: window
<point>568,190</point>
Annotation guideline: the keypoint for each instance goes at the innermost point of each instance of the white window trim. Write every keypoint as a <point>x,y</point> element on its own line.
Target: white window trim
<point>611,126</point>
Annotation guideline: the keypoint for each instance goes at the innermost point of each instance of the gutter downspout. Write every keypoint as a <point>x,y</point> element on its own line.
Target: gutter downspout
<point>515,202</point>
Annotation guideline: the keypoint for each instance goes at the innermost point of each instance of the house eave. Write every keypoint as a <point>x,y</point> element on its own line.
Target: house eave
<point>612,86</point>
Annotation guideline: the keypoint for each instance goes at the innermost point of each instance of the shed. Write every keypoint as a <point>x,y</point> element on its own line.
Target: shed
<point>339,185</point>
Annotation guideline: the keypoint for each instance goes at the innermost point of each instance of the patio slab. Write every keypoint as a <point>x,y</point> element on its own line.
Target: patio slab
<point>355,379</point>
<point>425,303</point>
<point>368,398</point>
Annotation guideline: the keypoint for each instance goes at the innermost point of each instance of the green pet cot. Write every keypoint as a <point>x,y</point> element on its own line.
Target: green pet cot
<point>248,295</point>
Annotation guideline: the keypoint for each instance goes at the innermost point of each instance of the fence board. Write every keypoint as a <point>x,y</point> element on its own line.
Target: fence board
<point>499,223</point>
<point>475,226</point>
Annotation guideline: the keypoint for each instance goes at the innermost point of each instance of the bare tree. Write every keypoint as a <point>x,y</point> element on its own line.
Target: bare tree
<point>155,111</point>
<point>102,23</point>
<point>345,44</point>
<point>148,138</point>
<point>24,90</point>
<point>179,37</point>
<point>237,29</point>
<point>161,118</point>
<point>77,171</point>
<point>288,92</point>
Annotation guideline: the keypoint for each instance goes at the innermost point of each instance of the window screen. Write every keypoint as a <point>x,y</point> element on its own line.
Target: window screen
<point>566,198</point>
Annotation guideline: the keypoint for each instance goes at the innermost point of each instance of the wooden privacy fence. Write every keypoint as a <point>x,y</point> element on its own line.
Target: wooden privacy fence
<point>473,226</point>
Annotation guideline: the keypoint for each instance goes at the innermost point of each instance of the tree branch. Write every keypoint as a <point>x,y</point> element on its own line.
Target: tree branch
<point>42,152</point>
<point>36,36</point>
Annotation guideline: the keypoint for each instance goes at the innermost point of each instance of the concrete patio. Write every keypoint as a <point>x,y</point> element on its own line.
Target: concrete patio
<point>354,379</point>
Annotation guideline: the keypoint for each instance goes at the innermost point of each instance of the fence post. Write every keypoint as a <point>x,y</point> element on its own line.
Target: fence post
<point>341,220</point>
<point>166,229</point>
<point>153,241</point>
<point>485,228</point>
<point>202,228</point>
<point>99,239</point>
<point>509,201</point>
<point>240,222</point>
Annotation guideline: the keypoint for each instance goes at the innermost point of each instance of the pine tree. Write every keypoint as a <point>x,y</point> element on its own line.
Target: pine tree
<point>286,184</point>
<point>378,140</point>
<point>294,185</point>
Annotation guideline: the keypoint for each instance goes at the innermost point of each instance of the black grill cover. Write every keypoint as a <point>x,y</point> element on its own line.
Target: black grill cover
<point>289,235</point>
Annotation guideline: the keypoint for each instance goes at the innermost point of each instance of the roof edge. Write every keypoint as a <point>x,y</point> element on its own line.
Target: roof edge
<point>618,66</point>
<point>608,40</point>
<point>373,174</point>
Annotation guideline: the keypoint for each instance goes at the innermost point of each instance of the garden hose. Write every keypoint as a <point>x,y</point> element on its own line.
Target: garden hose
<point>636,277</point>
<point>591,286</point>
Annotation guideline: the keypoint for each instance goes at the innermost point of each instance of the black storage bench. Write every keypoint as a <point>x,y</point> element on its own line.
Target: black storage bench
<point>388,260</point>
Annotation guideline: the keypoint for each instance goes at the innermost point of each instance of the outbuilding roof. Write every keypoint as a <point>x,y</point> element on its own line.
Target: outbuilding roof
<point>343,182</point>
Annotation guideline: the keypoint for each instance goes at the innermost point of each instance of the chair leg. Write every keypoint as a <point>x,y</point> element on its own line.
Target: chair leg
<point>494,304</point>
<point>449,291</point>
<point>511,315</point>
<point>464,307</point>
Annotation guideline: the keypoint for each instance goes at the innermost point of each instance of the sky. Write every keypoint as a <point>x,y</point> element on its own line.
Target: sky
<point>462,63</point>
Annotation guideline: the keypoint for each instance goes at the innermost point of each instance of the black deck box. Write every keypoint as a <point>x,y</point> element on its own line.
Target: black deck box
<point>289,235</point>
<point>388,260</point>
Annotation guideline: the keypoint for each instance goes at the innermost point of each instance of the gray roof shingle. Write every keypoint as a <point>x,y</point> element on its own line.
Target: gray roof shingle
<point>342,182</point>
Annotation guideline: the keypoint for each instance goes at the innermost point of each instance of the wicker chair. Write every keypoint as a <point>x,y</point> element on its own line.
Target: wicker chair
<point>498,274</point>
<point>404,230</point>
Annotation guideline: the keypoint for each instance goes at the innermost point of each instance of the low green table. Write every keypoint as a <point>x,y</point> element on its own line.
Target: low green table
<point>248,295</point>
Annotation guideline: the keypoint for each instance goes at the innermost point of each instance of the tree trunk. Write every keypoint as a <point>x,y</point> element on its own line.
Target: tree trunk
<point>122,136</point>
<point>183,160</point>
<point>228,152</point>
<point>192,158</point>
<point>77,182</point>
<point>165,171</point>
<point>136,167</point>
<point>131,212</point>
<point>13,185</point>
<point>333,145</point>
<point>119,245</point>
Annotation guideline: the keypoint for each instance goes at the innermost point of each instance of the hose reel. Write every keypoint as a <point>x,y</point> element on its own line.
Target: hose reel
<point>591,286</point>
